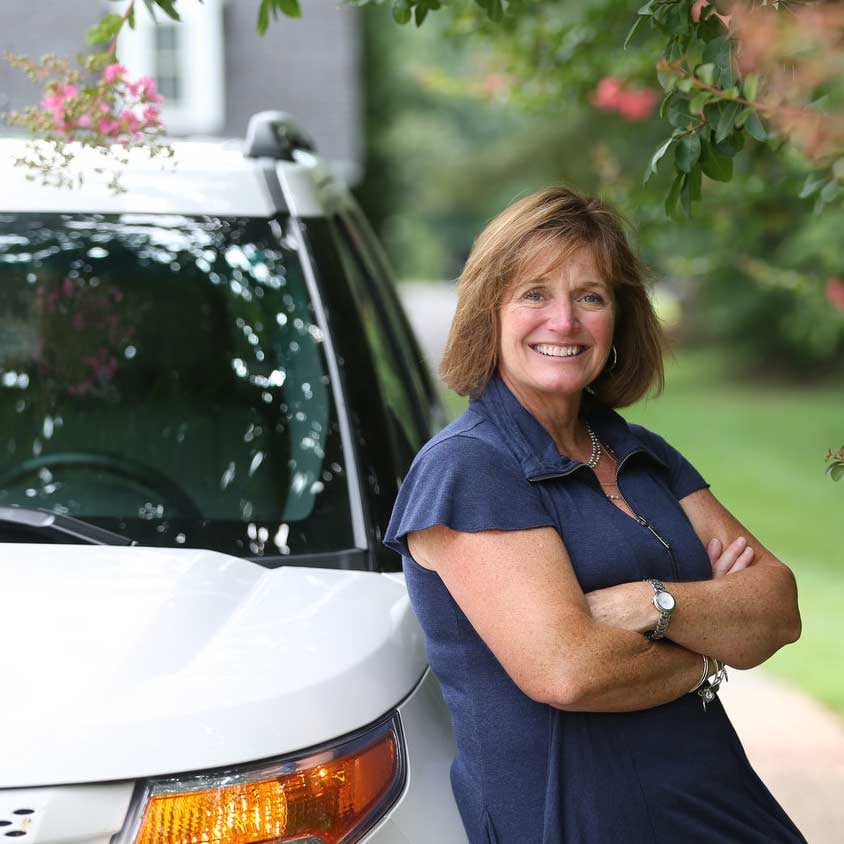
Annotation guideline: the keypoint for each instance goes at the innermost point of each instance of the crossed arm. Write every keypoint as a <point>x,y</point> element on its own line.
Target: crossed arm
<point>586,652</point>
<point>742,616</point>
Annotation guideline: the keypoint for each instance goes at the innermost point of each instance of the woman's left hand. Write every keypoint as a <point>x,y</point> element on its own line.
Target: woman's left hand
<point>628,606</point>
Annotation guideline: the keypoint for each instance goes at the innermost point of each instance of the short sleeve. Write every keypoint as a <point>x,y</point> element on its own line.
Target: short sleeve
<point>468,485</point>
<point>683,478</point>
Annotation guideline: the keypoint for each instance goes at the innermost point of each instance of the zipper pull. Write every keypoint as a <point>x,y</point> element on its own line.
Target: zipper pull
<point>645,523</point>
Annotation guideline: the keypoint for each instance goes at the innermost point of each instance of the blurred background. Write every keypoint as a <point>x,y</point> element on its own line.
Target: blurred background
<point>439,127</point>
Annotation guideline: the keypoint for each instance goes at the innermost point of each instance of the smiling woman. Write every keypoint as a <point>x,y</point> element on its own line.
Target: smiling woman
<point>580,589</point>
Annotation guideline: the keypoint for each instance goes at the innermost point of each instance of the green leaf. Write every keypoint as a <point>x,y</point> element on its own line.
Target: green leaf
<point>290,8</point>
<point>811,185</point>
<point>665,102</point>
<point>104,30</point>
<point>169,8</point>
<point>830,190</point>
<point>494,10</point>
<point>674,194</point>
<point>686,197</point>
<point>726,120</point>
<point>420,11</point>
<point>717,167</point>
<point>730,93</point>
<point>698,101</point>
<point>655,159</point>
<point>678,113</point>
<point>755,128</point>
<point>633,29</point>
<point>686,84</point>
<point>836,471</point>
<point>731,145</point>
<point>687,152</point>
<point>402,11</point>
<point>694,183</point>
<point>263,16</point>
<point>750,86</point>
<point>706,73</point>
<point>130,19</point>
<point>668,81</point>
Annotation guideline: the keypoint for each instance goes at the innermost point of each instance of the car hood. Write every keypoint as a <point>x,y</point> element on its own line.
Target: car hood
<point>125,662</point>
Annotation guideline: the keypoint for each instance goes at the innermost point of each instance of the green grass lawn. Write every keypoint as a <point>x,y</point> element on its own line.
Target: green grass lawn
<point>762,448</point>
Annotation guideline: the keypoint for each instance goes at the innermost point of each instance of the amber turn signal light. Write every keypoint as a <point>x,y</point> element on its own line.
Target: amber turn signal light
<point>330,797</point>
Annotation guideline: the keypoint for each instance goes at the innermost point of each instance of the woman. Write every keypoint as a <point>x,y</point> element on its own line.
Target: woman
<point>578,585</point>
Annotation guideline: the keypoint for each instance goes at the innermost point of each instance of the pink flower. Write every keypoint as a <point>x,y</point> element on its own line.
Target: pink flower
<point>606,94</point>
<point>636,104</point>
<point>69,91</point>
<point>835,293</point>
<point>632,103</point>
<point>84,121</point>
<point>128,121</point>
<point>152,115</point>
<point>114,72</point>
<point>108,126</point>
<point>145,87</point>
<point>697,8</point>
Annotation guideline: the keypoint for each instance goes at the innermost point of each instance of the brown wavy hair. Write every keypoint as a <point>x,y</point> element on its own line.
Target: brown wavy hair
<point>567,220</point>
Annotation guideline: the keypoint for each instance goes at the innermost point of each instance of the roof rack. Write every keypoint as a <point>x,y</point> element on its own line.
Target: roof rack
<point>274,134</point>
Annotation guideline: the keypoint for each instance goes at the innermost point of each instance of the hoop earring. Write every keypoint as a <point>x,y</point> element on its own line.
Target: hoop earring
<point>614,358</point>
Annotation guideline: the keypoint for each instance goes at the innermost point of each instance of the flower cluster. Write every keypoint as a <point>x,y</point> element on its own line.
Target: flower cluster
<point>115,108</point>
<point>99,108</point>
<point>631,103</point>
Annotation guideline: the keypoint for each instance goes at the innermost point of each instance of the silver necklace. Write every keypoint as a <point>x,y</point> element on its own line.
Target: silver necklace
<point>595,456</point>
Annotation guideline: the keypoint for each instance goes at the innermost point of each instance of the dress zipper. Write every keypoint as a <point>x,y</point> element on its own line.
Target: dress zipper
<point>641,519</point>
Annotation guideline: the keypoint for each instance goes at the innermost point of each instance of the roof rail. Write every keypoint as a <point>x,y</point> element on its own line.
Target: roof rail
<point>274,134</point>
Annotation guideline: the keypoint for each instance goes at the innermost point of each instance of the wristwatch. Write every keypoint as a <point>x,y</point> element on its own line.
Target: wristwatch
<point>664,603</point>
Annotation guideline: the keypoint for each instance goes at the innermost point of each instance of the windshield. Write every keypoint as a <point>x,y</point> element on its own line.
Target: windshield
<point>164,378</point>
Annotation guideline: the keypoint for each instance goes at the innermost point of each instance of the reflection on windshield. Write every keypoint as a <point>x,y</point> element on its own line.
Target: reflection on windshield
<point>164,377</point>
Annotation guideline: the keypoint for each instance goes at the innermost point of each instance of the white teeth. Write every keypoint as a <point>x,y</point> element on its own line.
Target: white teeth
<point>559,351</point>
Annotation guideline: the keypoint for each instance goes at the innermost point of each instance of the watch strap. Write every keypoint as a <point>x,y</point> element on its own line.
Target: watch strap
<point>664,615</point>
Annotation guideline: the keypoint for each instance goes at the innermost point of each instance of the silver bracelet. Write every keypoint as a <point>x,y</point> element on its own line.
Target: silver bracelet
<point>702,676</point>
<point>709,689</point>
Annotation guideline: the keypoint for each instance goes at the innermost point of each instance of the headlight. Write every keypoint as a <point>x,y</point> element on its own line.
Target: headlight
<point>331,796</point>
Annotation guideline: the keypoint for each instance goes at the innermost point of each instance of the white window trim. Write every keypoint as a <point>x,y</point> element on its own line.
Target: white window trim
<point>202,106</point>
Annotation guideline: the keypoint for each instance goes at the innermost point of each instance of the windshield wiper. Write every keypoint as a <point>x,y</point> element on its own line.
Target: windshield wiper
<point>60,527</point>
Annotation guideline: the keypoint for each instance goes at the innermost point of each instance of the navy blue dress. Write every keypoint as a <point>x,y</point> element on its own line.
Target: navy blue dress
<point>525,772</point>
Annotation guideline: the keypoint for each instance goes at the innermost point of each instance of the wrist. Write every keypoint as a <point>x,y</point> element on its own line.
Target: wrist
<point>664,605</point>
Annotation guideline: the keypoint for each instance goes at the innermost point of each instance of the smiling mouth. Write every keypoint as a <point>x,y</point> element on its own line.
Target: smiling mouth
<point>558,351</point>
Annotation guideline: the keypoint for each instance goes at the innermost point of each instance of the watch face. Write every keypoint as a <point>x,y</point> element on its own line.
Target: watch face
<point>664,601</point>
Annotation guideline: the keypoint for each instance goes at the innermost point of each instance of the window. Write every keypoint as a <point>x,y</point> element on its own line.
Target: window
<point>165,378</point>
<point>168,71</point>
<point>187,61</point>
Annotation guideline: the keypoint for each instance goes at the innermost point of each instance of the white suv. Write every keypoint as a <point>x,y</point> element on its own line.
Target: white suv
<point>209,395</point>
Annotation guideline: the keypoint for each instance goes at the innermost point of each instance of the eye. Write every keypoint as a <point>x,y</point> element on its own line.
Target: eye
<point>593,298</point>
<point>533,295</point>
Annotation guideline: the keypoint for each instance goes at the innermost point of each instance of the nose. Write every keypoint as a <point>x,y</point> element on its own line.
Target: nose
<point>562,316</point>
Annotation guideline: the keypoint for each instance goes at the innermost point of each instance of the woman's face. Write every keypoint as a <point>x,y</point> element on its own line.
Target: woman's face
<point>556,325</point>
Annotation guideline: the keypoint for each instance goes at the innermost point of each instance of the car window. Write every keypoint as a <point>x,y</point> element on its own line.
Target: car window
<point>418,380</point>
<point>402,407</point>
<point>165,377</point>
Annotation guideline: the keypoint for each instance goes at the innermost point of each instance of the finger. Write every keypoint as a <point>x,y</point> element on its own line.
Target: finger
<point>714,549</point>
<point>744,560</point>
<point>731,553</point>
